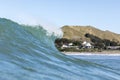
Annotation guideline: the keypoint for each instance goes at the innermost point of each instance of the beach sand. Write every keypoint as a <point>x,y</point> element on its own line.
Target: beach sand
<point>106,52</point>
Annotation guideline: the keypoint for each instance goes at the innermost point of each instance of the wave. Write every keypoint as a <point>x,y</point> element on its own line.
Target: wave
<point>29,53</point>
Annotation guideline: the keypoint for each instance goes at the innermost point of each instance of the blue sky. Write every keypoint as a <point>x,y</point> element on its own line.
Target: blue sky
<point>103,14</point>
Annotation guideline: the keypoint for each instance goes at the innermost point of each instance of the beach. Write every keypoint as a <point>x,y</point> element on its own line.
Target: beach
<point>105,52</point>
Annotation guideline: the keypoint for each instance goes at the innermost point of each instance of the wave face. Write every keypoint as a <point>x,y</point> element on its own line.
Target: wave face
<point>28,53</point>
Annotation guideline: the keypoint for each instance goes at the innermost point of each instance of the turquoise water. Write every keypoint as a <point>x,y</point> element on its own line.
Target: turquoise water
<point>28,53</point>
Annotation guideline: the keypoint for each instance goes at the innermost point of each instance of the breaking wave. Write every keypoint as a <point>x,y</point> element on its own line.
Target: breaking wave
<point>29,53</point>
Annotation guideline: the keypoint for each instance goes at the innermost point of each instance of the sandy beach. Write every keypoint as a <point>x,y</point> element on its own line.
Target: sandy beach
<point>109,53</point>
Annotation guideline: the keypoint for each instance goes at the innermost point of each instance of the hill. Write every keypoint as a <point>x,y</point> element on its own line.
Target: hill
<point>79,32</point>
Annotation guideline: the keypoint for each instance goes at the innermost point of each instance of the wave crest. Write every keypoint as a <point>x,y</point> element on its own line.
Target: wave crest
<point>28,53</point>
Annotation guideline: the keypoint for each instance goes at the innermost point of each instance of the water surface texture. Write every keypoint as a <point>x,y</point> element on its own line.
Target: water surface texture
<point>28,53</point>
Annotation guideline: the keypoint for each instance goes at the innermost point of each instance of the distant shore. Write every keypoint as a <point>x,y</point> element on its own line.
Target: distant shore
<point>105,52</point>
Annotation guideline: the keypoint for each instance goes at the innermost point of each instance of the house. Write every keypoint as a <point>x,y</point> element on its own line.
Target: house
<point>64,46</point>
<point>86,45</point>
<point>70,44</point>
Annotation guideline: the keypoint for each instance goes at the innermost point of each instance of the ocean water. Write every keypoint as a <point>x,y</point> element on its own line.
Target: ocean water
<point>111,61</point>
<point>29,53</point>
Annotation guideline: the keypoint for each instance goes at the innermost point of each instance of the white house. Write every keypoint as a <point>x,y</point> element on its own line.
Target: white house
<point>64,46</point>
<point>86,45</point>
<point>70,44</point>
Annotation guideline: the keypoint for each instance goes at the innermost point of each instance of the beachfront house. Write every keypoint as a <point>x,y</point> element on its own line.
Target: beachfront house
<point>64,46</point>
<point>86,45</point>
<point>70,44</point>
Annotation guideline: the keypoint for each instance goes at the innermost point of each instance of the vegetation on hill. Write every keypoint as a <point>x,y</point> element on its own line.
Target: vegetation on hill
<point>101,40</point>
<point>101,43</point>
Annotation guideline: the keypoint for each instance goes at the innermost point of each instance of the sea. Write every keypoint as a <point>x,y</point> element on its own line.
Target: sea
<point>29,53</point>
<point>111,61</point>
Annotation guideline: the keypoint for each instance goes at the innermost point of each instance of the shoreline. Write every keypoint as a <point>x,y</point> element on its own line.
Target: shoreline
<point>103,53</point>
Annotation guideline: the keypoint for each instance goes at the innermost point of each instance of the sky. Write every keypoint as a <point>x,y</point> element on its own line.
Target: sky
<point>102,14</point>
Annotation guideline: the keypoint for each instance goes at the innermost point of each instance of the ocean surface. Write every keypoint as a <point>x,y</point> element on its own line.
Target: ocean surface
<point>111,61</point>
<point>29,53</point>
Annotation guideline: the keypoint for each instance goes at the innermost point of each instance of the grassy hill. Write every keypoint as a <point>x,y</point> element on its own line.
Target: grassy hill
<point>78,33</point>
